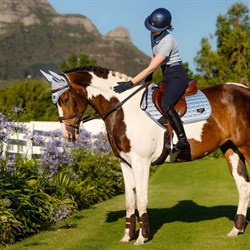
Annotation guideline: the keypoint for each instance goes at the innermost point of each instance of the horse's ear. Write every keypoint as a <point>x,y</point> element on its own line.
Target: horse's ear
<point>58,84</point>
<point>47,76</point>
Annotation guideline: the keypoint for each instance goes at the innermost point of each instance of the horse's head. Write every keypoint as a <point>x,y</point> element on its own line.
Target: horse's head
<point>74,89</point>
<point>70,103</point>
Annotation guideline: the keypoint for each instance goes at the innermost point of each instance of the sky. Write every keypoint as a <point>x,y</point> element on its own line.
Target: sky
<point>192,19</point>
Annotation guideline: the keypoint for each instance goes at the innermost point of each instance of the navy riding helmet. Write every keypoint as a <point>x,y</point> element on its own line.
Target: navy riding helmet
<point>159,20</point>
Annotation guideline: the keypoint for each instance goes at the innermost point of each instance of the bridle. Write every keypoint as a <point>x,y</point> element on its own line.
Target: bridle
<point>78,114</point>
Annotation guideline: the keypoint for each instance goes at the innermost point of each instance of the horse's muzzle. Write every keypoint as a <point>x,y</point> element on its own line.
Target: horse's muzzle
<point>71,137</point>
<point>70,134</point>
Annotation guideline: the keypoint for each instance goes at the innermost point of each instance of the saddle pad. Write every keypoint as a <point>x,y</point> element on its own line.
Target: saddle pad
<point>198,106</point>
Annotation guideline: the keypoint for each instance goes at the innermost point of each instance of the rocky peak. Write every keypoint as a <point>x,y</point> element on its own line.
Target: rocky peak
<point>25,11</point>
<point>38,36</point>
<point>119,34</point>
<point>31,12</point>
<point>75,20</point>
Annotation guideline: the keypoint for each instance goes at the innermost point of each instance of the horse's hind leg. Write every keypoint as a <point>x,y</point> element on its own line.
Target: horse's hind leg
<point>130,229</point>
<point>237,167</point>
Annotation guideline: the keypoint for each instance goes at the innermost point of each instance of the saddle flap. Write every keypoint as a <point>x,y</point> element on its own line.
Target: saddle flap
<point>181,106</point>
<point>156,98</point>
<point>192,88</point>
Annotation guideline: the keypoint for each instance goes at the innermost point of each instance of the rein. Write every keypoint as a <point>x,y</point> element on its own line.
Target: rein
<point>95,115</point>
<point>118,105</point>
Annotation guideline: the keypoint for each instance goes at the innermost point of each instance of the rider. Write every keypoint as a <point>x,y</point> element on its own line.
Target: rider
<point>166,55</point>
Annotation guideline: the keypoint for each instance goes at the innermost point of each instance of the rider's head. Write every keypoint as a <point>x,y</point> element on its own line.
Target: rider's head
<point>159,20</point>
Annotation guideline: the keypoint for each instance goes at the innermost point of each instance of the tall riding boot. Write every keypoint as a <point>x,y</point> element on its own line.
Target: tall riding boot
<point>176,123</point>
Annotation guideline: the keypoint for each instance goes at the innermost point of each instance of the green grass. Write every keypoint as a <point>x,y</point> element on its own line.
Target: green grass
<point>191,206</point>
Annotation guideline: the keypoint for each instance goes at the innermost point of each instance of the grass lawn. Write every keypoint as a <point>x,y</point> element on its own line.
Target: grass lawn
<point>191,206</point>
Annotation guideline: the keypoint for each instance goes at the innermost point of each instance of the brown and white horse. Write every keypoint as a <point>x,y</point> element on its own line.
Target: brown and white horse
<point>138,141</point>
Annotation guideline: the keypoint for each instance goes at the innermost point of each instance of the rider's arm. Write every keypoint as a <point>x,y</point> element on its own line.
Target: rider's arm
<point>155,62</point>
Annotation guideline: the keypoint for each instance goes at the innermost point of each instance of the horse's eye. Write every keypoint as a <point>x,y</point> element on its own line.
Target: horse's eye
<point>66,100</point>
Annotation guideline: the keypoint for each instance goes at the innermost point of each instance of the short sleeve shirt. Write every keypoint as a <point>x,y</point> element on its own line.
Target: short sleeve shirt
<point>167,47</point>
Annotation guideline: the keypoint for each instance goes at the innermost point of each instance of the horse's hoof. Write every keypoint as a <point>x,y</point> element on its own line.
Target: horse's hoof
<point>125,238</point>
<point>234,232</point>
<point>140,241</point>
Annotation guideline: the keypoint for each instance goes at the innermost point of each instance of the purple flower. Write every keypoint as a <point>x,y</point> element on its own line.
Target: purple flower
<point>101,144</point>
<point>17,110</point>
<point>2,135</point>
<point>10,165</point>
<point>84,141</point>
<point>59,213</point>
<point>56,154</point>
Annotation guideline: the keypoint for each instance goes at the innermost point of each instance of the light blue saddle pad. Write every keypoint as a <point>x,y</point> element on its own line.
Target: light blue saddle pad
<point>198,107</point>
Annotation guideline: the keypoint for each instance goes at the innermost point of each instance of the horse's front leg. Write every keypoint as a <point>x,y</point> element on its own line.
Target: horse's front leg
<point>141,176</point>
<point>130,228</point>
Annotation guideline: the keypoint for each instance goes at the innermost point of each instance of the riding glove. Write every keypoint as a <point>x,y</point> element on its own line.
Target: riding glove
<point>149,78</point>
<point>123,86</point>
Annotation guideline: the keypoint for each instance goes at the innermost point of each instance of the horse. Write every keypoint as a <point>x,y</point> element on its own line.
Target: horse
<point>138,141</point>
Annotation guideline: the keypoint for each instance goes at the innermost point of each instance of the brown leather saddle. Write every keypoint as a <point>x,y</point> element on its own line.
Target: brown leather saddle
<point>181,105</point>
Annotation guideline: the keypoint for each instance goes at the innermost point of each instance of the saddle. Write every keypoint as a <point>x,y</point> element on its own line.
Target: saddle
<point>181,105</point>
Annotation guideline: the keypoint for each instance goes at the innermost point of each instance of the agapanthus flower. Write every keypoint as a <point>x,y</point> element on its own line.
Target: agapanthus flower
<point>59,213</point>
<point>10,164</point>
<point>55,154</point>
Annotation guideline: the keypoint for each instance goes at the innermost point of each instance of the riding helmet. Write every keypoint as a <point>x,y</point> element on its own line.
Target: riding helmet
<point>159,20</point>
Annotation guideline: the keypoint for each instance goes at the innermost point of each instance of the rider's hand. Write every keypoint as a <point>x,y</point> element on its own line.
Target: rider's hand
<point>123,86</point>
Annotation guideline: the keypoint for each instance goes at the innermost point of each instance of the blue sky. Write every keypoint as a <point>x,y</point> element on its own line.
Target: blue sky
<point>192,19</point>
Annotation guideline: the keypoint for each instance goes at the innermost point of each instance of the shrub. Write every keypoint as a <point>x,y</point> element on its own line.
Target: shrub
<point>101,174</point>
<point>36,193</point>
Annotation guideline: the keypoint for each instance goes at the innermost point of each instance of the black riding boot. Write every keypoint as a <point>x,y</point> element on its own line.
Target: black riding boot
<point>176,123</point>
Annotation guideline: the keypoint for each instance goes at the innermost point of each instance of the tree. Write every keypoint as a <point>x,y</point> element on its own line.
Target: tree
<point>231,60</point>
<point>45,110</point>
<point>34,96</point>
<point>74,62</point>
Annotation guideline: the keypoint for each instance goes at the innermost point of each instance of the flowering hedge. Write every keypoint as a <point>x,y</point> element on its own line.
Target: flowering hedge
<point>35,193</point>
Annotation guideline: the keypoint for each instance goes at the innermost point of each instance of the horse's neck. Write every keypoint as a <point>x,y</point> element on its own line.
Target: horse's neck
<point>104,100</point>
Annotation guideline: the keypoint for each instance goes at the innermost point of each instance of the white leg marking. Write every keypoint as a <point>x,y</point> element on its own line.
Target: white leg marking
<point>243,189</point>
<point>129,195</point>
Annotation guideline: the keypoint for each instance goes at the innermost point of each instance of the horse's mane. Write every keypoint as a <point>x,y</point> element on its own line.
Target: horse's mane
<point>96,69</point>
<point>89,68</point>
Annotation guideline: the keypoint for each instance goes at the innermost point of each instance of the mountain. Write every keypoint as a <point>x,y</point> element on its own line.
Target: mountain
<point>34,36</point>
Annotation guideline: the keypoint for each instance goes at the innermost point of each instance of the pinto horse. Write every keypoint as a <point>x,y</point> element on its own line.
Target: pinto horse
<point>138,141</point>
